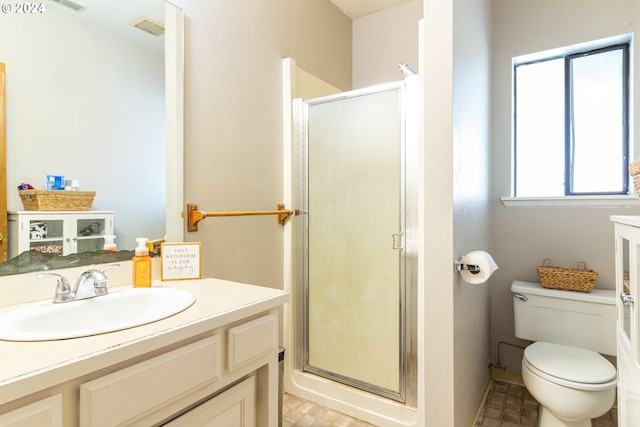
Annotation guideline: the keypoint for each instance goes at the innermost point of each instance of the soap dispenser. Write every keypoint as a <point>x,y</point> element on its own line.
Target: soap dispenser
<point>141,265</point>
<point>109,243</point>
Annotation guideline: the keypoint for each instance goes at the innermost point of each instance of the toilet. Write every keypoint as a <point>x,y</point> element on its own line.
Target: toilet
<point>563,368</point>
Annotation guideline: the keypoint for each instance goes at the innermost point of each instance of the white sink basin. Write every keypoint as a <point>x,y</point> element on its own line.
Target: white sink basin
<point>45,321</point>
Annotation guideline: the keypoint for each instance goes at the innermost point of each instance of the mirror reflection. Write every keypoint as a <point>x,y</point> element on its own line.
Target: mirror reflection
<point>86,100</point>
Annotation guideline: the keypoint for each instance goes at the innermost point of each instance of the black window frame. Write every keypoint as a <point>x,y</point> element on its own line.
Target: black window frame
<point>568,57</point>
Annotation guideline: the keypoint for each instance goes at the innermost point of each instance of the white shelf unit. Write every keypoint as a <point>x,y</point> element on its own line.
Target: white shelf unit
<point>67,232</point>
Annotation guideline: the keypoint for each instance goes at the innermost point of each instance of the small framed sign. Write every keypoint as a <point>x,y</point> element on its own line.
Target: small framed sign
<point>181,261</point>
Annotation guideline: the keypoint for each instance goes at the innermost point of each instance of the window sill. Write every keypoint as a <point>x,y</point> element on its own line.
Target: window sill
<point>573,201</point>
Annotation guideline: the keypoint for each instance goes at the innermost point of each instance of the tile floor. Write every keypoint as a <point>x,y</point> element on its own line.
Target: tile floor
<point>506,405</point>
<point>297,412</point>
<point>511,405</point>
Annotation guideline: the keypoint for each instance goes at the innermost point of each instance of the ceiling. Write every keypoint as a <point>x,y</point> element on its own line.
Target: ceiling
<point>358,8</point>
<point>115,15</point>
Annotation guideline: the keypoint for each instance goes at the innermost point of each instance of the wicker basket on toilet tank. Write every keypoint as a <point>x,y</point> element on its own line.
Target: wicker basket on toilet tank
<point>579,279</point>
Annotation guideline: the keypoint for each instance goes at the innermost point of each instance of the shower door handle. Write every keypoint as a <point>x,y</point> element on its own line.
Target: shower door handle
<point>397,241</point>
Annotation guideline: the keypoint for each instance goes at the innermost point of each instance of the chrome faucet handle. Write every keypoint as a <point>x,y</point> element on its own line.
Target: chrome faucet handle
<point>93,283</point>
<point>63,290</point>
<point>109,267</point>
<point>101,284</point>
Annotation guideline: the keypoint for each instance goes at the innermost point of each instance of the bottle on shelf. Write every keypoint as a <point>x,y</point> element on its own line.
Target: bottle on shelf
<point>109,243</point>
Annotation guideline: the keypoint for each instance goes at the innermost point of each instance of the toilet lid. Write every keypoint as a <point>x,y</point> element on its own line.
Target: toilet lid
<point>570,363</point>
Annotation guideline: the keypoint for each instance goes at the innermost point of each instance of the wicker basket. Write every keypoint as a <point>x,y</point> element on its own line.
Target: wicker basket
<point>56,200</point>
<point>578,279</point>
<point>634,171</point>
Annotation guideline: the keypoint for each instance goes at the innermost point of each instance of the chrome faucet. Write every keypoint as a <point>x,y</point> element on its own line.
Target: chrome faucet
<point>91,283</point>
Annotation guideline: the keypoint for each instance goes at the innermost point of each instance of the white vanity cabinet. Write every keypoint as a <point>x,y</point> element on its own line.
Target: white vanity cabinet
<point>627,247</point>
<point>214,364</point>
<point>46,412</point>
<point>158,389</point>
<point>59,232</point>
<point>234,407</point>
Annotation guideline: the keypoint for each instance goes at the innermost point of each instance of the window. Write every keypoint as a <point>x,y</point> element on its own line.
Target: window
<point>571,124</point>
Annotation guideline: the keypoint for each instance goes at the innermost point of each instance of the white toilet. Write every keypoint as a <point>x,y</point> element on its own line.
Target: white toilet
<point>562,369</point>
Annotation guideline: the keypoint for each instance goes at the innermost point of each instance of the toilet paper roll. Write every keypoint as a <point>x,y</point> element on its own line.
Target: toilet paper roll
<point>483,260</point>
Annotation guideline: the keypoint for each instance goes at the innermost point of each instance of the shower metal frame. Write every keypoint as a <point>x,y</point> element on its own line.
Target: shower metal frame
<point>408,257</point>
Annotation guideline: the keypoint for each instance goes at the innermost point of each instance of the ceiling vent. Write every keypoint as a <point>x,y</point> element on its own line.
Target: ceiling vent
<point>147,24</point>
<point>71,5</point>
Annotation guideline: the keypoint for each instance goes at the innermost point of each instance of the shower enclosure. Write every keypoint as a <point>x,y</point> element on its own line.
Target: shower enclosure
<point>355,262</point>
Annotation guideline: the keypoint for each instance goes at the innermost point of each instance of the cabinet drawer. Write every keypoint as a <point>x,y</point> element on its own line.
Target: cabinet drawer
<point>133,391</point>
<point>43,413</point>
<point>251,340</point>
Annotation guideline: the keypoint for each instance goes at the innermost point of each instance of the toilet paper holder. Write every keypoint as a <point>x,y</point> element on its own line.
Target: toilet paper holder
<point>476,267</point>
<point>459,266</point>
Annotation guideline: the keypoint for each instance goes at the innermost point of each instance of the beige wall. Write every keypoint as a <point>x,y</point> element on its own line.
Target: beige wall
<point>456,317</point>
<point>436,293</point>
<point>471,184</point>
<point>307,86</point>
<point>233,119</point>
<point>523,237</point>
<point>456,186</point>
<point>384,39</point>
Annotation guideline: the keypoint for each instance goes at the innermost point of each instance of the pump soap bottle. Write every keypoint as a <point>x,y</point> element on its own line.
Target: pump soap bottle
<point>141,265</point>
<point>109,243</point>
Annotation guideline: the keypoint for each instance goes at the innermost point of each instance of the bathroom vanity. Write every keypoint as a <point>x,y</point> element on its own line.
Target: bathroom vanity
<point>627,245</point>
<point>216,361</point>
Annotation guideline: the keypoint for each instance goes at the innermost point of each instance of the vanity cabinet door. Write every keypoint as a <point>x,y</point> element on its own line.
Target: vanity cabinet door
<point>234,407</point>
<point>43,413</point>
<point>251,340</point>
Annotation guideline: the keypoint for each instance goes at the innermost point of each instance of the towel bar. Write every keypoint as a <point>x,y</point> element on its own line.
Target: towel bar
<point>194,216</point>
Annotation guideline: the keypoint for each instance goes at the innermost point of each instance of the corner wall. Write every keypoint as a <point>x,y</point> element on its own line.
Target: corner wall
<point>384,39</point>
<point>456,319</point>
<point>435,291</point>
<point>471,185</point>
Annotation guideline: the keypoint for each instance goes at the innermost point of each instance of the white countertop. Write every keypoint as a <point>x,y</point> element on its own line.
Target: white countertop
<point>633,220</point>
<point>27,367</point>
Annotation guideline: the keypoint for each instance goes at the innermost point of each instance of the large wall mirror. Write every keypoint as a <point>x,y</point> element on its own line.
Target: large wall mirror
<point>93,98</point>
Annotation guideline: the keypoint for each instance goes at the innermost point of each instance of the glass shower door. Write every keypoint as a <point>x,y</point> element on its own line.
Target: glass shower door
<point>353,239</point>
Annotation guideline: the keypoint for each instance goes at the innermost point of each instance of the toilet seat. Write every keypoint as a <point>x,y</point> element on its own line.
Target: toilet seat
<point>573,367</point>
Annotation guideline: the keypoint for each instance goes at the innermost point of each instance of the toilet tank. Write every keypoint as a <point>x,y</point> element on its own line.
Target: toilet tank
<point>579,319</point>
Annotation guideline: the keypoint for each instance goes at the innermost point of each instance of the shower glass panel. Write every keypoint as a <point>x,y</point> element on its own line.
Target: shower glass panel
<point>354,240</point>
